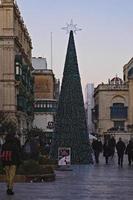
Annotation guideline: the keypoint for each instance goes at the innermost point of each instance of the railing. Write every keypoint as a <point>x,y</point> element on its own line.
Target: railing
<point>45,106</point>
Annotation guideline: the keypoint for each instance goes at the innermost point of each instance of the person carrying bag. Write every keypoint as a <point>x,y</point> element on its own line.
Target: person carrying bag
<point>10,158</point>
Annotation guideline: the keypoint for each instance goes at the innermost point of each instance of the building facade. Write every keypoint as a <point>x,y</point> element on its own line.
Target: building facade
<point>39,63</point>
<point>46,90</point>
<point>113,104</point>
<point>16,80</point>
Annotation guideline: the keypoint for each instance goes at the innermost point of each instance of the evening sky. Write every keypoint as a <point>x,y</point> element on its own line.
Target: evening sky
<point>103,46</point>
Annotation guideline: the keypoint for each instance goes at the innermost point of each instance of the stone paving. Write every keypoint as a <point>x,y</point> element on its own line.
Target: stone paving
<point>94,182</point>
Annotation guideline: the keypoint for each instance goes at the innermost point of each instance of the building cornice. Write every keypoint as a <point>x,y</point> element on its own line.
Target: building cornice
<point>21,21</point>
<point>111,87</point>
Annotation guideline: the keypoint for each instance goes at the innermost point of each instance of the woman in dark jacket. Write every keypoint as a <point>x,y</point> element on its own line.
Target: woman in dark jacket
<point>10,158</point>
<point>106,151</point>
<point>120,147</point>
<point>97,148</point>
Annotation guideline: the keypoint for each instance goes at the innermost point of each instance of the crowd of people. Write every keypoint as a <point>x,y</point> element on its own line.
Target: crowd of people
<point>108,148</point>
<point>11,154</point>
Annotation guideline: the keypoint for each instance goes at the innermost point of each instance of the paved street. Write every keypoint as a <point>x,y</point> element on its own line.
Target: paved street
<point>94,182</point>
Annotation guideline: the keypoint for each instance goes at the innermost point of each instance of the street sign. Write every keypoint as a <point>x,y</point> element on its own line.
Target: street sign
<point>64,156</point>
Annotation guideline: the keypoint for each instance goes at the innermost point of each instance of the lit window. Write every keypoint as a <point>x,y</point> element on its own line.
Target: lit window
<point>50,105</point>
<point>17,69</point>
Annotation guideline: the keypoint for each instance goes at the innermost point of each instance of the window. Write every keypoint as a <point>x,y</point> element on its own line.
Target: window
<point>17,69</point>
<point>35,105</point>
<point>48,105</point>
<point>119,125</point>
<point>118,111</point>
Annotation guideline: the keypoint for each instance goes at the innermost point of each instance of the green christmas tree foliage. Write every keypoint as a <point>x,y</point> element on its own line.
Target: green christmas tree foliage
<point>70,126</point>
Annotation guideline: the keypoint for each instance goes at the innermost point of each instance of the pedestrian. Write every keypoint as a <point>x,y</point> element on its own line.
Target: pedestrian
<point>10,158</point>
<point>35,148</point>
<point>97,149</point>
<point>47,149</point>
<point>129,151</point>
<point>106,150</point>
<point>112,143</point>
<point>120,147</point>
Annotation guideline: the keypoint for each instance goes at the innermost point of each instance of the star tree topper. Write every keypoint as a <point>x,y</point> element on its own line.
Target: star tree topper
<point>71,27</point>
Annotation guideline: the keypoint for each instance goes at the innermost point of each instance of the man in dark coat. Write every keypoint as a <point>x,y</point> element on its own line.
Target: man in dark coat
<point>112,144</point>
<point>97,148</point>
<point>129,151</point>
<point>106,150</point>
<point>120,147</point>
<point>10,158</point>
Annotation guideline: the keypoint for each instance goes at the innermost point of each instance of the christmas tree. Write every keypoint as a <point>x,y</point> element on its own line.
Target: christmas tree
<point>71,126</point>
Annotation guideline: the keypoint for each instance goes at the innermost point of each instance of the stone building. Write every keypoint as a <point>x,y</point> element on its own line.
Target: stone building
<point>16,81</point>
<point>46,90</point>
<point>113,110</point>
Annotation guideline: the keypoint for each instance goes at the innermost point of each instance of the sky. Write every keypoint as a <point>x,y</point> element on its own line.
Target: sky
<point>104,45</point>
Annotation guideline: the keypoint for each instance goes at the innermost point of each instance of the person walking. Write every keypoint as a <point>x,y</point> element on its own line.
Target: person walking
<point>129,151</point>
<point>106,150</point>
<point>97,149</point>
<point>112,143</point>
<point>120,147</point>
<point>10,158</point>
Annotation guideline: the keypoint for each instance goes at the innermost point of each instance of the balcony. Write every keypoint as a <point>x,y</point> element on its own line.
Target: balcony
<point>118,112</point>
<point>18,59</point>
<point>21,103</point>
<point>45,106</point>
<point>30,108</point>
